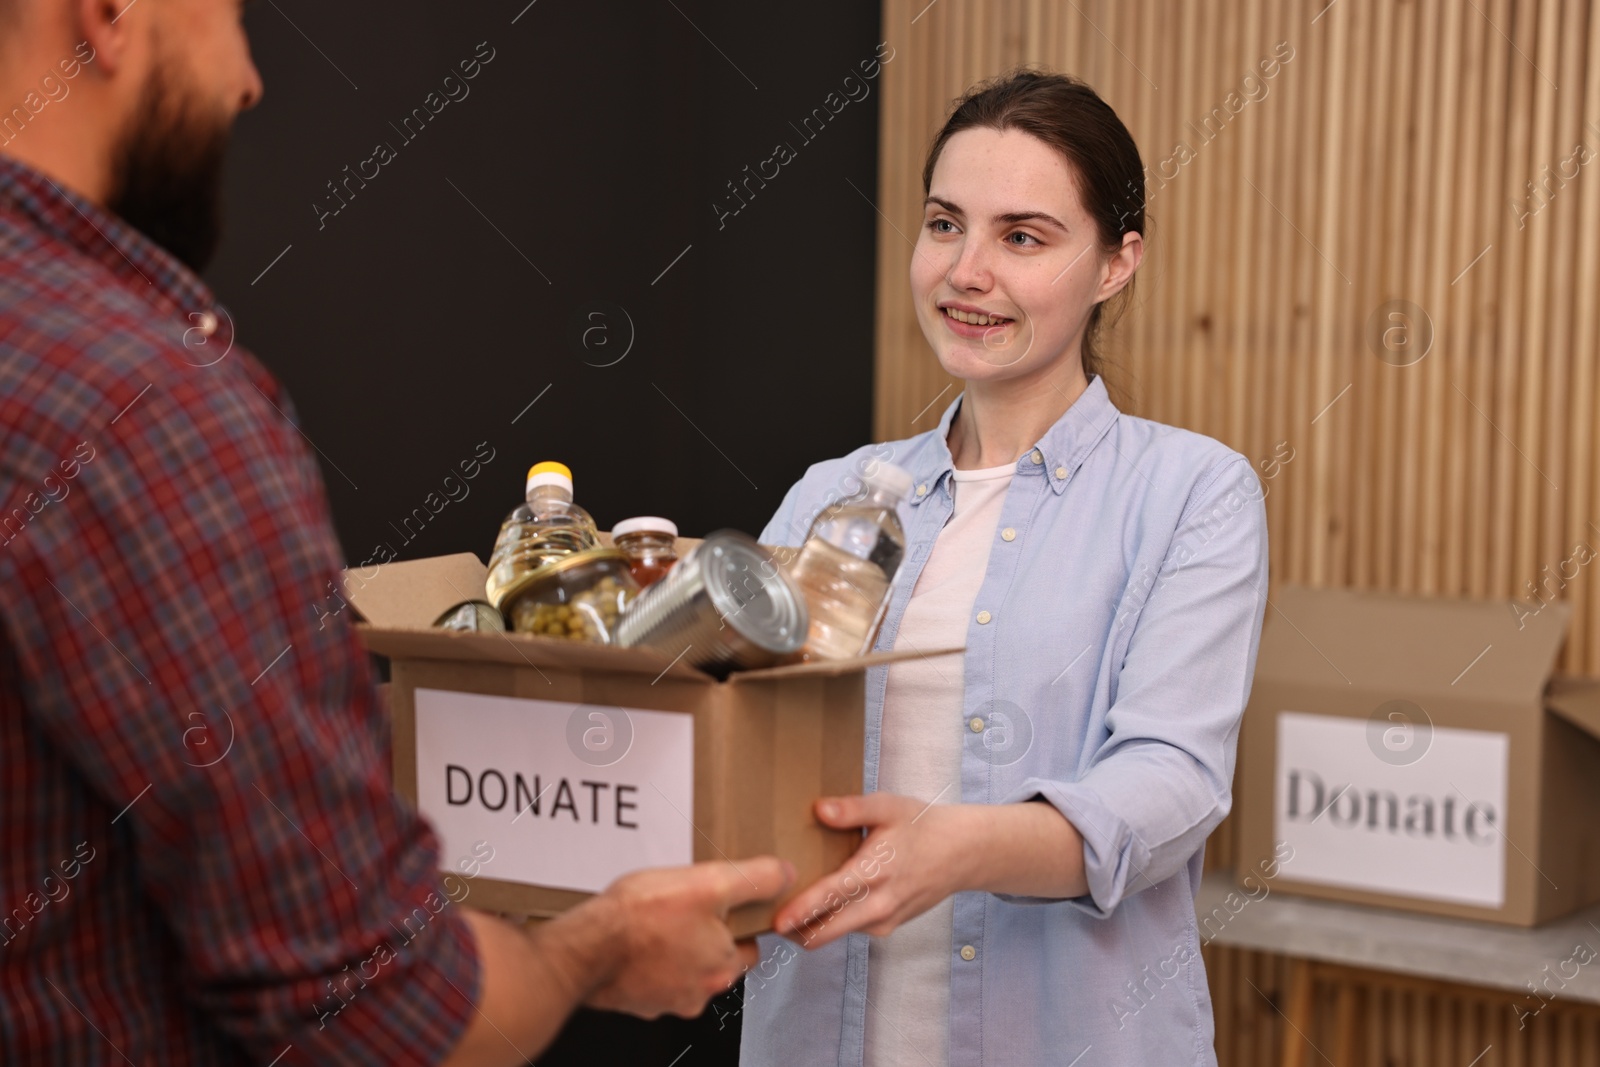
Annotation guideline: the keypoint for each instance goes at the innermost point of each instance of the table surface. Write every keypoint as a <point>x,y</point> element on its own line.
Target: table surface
<point>1449,950</point>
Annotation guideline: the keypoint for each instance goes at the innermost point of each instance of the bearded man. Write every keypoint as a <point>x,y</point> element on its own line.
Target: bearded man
<point>201,858</point>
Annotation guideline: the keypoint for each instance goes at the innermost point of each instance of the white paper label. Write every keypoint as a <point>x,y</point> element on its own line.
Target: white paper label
<point>1404,808</point>
<point>568,795</point>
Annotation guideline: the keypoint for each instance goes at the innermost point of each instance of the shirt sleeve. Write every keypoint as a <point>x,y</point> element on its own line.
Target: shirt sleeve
<point>823,485</point>
<point>1162,780</point>
<point>182,645</point>
<point>787,528</point>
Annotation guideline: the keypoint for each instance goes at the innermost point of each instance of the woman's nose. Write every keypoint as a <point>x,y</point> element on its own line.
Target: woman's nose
<point>971,268</point>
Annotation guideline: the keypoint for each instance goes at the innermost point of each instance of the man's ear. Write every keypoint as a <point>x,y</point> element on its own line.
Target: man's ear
<point>106,29</point>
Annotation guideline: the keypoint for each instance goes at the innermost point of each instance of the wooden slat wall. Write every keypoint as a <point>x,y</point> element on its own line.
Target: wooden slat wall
<point>1384,163</point>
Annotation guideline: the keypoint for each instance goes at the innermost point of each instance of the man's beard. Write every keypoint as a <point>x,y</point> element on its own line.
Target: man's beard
<point>167,172</point>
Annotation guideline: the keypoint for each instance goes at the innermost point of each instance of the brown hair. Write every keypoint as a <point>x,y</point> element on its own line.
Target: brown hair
<point>1070,117</point>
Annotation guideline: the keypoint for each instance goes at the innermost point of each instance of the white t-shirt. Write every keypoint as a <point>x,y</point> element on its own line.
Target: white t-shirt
<point>908,972</point>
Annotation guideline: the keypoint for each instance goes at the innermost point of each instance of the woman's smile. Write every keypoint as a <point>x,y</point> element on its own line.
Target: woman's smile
<point>973,323</point>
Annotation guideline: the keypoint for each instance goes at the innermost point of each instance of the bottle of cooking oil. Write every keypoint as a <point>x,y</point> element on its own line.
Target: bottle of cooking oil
<point>547,527</point>
<point>846,568</point>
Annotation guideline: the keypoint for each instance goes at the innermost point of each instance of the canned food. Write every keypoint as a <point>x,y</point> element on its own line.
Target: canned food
<point>472,615</point>
<point>726,606</point>
<point>579,597</point>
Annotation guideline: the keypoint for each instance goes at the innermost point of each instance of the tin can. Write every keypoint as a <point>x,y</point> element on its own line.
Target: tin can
<point>472,615</point>
<point>726,606</point>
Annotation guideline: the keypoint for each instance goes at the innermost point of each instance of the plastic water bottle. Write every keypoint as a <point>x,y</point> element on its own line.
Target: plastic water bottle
<point>846,568</point>
<point>547,527</point>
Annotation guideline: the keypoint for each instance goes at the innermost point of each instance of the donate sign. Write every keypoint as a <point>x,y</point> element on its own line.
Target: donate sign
<point>1428,827</point>
<point>569,795</point>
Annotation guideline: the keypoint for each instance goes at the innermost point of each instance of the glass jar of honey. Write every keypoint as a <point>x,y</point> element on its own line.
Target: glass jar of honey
<point>650,542</point>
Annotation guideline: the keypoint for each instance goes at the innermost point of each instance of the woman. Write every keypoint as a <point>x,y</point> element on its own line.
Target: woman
<point>1036,809</point>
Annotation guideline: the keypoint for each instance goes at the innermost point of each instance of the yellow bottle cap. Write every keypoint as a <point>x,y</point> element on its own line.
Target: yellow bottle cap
<point>550,468</point>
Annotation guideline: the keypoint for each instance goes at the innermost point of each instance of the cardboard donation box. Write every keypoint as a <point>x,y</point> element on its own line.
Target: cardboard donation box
<point>1414,753</point>
<point>569,764</point>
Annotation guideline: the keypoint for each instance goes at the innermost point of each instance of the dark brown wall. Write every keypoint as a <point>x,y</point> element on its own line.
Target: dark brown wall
<point>413,324</point>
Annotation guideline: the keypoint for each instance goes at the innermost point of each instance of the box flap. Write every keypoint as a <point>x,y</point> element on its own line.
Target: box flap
<point>414,593</point>
<point>1578,701</point>
<point>528,650</point>
<point>831,667</point>
<point>1394,642</point>
<point>521,650</point>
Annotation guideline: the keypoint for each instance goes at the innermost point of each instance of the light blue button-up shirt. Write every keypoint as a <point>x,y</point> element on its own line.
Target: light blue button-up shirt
<point>1111,671</point>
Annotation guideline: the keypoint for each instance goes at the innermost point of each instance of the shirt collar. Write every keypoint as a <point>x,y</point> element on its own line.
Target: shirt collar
<point>1057,455</point>
<point>143,266</point>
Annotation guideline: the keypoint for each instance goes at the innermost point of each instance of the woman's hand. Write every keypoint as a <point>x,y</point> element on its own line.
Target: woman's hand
<point>914,856</point>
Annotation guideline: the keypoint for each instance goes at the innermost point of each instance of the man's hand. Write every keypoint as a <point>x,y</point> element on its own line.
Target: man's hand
<point>677,954</point>
<point>653,942</point>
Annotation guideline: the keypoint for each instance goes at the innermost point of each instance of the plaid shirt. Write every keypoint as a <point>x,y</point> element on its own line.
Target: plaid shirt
<point>203,859</point>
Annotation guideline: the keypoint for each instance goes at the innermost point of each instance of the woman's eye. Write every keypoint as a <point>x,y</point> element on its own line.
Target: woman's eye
<point>1022,240</point>
<point>936,224</point>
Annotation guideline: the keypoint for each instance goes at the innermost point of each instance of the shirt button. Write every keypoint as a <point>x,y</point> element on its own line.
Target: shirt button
<point>1008,534</point>
<point>1037,456</point>
<point>984,616</point>
<point>976,724</point>
<point>968,953</point>
<point>1061,472</point>
<point>922,490</point>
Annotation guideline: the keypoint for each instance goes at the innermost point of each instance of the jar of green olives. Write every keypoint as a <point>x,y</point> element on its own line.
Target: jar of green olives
<point>576,598</point>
